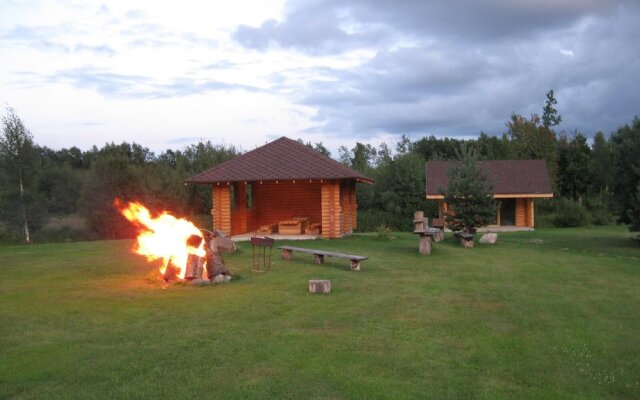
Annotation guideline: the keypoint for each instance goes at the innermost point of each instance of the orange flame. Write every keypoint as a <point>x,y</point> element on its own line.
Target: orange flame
<point>162,237</point>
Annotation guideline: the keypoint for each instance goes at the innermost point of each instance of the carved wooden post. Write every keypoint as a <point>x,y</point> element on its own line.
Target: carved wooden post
<point>319,286</point>
<point>418,220</point>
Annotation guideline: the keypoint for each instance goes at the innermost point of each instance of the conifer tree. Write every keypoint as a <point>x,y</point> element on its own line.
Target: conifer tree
<point>471,203</point>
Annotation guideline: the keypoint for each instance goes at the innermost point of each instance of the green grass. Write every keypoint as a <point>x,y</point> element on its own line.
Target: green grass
<point>545,314</point>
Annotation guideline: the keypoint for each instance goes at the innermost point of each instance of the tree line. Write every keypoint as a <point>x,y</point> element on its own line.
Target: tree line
<point>68,194</point>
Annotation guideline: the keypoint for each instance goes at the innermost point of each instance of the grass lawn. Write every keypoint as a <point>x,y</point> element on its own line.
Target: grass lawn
<point>541,315</point>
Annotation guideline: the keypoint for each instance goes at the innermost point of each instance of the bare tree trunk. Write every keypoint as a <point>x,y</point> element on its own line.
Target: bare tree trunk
<point>24,209</point>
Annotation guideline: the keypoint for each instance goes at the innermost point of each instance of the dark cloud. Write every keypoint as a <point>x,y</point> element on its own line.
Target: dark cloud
<point>456,70</point>
<point>314,29</point>
<point>114,85</point>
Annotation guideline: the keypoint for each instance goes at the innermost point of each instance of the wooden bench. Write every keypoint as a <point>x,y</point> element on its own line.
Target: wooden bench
<point>318,255</point>
<point>439,224</point>
<point>267,229</point>
<point>313,228</point>
<point>465,238</point>
<point>426,236</point>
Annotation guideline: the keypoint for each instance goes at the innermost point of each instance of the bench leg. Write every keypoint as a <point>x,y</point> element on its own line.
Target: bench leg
<point>355,265</point>
<point>318,259</point>
<point>286,254</point>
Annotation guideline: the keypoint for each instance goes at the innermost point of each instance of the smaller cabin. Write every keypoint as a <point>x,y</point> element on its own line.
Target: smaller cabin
<point>516,185</point>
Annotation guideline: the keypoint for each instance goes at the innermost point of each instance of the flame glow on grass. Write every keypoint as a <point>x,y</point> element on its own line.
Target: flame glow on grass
<point>162,237</point>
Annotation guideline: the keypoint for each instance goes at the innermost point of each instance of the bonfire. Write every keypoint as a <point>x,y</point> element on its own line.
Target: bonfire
<point>187,253</point>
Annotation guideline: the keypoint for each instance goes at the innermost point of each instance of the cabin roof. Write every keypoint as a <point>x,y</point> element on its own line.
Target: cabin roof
<point>282,159</point>
<point>517,177</point>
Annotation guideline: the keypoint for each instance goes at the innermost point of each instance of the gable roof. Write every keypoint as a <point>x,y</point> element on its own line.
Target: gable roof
<point>509,177</point>
<point>282,159</point>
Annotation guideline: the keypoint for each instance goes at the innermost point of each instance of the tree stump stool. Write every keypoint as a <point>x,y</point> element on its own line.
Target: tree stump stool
<point>319,286</point>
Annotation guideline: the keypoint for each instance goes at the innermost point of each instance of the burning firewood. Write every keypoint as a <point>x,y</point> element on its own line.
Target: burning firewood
<point>170,272</point>
<point>194,261</point>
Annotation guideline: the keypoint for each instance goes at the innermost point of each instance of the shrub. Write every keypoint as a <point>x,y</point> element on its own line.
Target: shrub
<point>384,233</point>
<point>370,220</point>
<point>569,213</point>
<point>599,209</point>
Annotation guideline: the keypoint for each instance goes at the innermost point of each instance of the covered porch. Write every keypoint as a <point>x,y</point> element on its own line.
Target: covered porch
<point>289,209</point>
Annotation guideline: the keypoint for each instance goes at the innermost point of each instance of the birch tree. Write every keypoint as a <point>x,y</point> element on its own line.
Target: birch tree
<point>16,154</point>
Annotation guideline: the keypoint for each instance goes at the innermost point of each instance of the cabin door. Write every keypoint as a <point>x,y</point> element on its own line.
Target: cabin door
<point>507,212</point>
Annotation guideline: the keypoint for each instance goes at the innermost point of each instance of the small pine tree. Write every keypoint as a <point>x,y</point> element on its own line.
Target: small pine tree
<point>471,204</point>
<point>550,116</point>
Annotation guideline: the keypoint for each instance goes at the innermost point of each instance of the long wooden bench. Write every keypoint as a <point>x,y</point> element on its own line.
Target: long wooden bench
<point>319,255</point>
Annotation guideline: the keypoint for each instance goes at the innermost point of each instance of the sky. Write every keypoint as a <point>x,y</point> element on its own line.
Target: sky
<point>167,74</point>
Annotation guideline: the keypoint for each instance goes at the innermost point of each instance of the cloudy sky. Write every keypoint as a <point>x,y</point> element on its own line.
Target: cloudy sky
<point>167,74</point>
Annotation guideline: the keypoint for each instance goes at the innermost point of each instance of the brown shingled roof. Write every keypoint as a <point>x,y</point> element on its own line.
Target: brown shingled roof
<point>508,176</point>
<point>282,159</point>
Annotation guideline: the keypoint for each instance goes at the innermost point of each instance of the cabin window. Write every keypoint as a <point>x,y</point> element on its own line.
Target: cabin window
<point>248,193</point>
<point>233,197</point>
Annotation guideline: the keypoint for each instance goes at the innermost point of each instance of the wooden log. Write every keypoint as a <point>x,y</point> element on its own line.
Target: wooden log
<point>319,286</point>
<point>170,272</point>
<point>439,236</point>
<point>425,244</point>
<point>318,259</point>
<point>355,265</point>
<point>192,267</point>
<point>193,241</point>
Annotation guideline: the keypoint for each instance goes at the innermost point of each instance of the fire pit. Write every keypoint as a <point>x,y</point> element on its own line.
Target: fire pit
<point>189,254</point>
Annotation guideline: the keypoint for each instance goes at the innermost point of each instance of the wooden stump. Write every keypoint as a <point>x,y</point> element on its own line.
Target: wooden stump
<point>425,244</point>
<point>318,259</point>
<point>439,237</point>
<point>286,254</point>
<point>467,244</point>
<point>355,265</point>
<point>319,286</point>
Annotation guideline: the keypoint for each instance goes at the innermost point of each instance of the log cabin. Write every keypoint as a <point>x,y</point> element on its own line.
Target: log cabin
<point>516,185</point>
<point>283,185</point>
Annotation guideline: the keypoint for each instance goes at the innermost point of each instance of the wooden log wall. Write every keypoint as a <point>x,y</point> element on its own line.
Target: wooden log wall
<point>347,202</point>
<point>332,220</point>
<point>274,202</point>
<point>221,208</point>
<point>354,206</point>
<point>521,212</point>
<point>530,214</point>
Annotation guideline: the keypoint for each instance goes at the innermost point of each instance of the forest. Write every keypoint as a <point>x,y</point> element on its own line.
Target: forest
<point>67,194</point>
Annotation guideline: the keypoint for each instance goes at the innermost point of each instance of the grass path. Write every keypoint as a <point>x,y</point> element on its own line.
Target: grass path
<point>545,314</point>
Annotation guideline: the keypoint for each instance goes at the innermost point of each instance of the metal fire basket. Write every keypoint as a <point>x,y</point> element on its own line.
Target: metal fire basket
<point>259,245</point>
